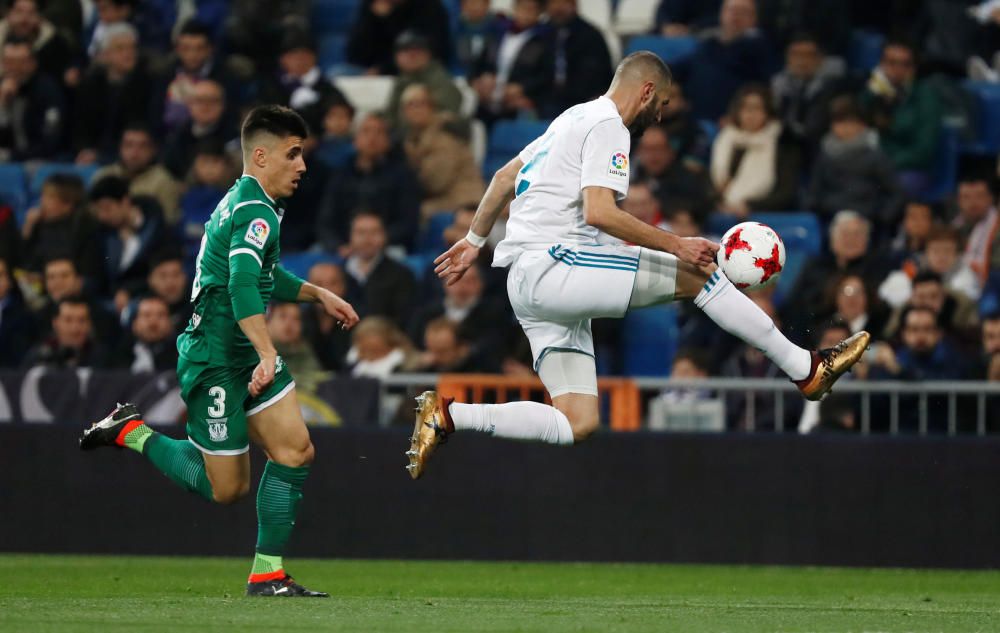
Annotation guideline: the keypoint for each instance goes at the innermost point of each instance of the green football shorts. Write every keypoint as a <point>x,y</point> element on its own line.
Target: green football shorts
<point>218,403</point>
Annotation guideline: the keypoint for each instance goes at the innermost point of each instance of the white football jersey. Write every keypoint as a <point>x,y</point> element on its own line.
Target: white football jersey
<point>587,145</point>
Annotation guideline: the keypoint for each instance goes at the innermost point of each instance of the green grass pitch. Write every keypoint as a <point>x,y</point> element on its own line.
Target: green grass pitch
<point>78,593</point>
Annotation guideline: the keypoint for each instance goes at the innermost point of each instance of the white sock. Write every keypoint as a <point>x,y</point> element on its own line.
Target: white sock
<point>735,313</point>
<point>530,421</point>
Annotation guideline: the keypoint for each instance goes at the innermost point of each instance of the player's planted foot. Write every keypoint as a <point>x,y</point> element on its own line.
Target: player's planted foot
<point>432,427</point>
<point>284,587</point>
<point>830,363</point>
<point>111,431</point>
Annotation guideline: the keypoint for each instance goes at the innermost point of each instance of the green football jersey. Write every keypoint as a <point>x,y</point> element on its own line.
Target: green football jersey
<point>241,235</point>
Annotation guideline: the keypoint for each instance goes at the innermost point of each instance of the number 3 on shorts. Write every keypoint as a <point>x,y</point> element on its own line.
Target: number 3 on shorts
<point>218,407</point>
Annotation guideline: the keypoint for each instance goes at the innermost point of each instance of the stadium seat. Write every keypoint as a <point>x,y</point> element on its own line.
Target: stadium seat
<point>300,263</point>
<point>864,49</point>
<point>419,264</point>
<point>332,51</point>
<point>987,98</point>
<point>13,189</point>
<point>510,137</point>
<point>43,171</point>
<point>333,16</point>
<point>635,16</point>
<point>365,93</point>
<point>649,340</point>
<point>597,12</point>
<point>430,241</point>
<point>671,49</point>
<point>710,129</point>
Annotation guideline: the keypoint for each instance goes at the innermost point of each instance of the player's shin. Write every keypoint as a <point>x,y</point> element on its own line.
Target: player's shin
<point>527,421</point>
<point>278,500</point>
<point>734,312</point>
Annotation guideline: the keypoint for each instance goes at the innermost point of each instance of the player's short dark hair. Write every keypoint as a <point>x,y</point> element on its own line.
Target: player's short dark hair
<point>927,276</point>
<point>275,120</point>
<point>196,28</point>
<point>647,65</point>
<point>69,188</point>
<point>112,187</point>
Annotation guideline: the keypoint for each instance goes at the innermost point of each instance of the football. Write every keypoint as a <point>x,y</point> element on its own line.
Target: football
<point>752,255</point>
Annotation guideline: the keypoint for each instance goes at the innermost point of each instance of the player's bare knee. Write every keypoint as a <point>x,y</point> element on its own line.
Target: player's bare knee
<point>227,494</point>
<point>295,456</point>
<point>583,426</point>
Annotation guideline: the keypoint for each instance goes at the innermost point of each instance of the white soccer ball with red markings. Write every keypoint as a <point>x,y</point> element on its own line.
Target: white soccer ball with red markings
<point>752,255</point>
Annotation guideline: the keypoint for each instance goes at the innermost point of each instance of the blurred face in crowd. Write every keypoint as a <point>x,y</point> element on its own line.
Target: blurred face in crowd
<point>832,336</point>
<point>942,255</point>
<point>72,325</point>
<point>418,108</point>
<point>850,239</point>
<point>928,294</point>
<point>113,214</point>
<point>136,151</point>
<point>920,332</point>
<point>443,347</point>
<point>121,54</point>
<point>61,279</point>
<point>18,62</point>
<point>686,368</point>
<point>5,282</point>
<point>206,103</point>
<point>898,65</point>
<point>152,321</point>
<point>848,129</point>
<point>475,10</point>
<point>752,115</point>
<point>736,17</point>
<point>337,121</point>
<point>23,19</point>
<point>655,153</point>
<point>367,237</point>
<point>466,291</point>
<point>412,59</point>
<point>210,169</point>
<point>560,11</point>
<point>372,345</point>
<point>682,223</point>
<point>917,220</point>
<point>372,138</point>
<point>527,13</point>
<point>851,299</point>
<point>169,281</point>
<point>297,62</point>
<point>109,11</point>
<point>329,277</point>
<point>974,200</point>
<point>803,59</point>
<point>991,336</point>
<point>193,51</point>
<point>641,203</point>
<point>284,323</point>
<point>52,205</point>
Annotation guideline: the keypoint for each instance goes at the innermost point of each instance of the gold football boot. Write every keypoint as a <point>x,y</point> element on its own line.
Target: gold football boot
<point>432,427</point>
<point>830,363</point>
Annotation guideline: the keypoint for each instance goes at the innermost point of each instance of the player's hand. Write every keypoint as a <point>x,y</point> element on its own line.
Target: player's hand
<point>453,263</point>
<point>263,375</point>
<point>339,309</point>
<point>696,251</point>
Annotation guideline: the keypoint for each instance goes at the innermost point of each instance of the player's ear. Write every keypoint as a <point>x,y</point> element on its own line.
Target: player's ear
<point>259,156</point>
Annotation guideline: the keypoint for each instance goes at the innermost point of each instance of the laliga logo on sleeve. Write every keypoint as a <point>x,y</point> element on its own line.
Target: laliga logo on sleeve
<point>619,165</point>
<point>257,233</point>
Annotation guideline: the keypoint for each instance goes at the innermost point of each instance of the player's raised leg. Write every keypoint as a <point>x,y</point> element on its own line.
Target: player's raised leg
<point>276,424</point>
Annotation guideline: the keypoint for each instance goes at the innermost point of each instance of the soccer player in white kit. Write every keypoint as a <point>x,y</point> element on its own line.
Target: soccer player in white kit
<point>563,189</point>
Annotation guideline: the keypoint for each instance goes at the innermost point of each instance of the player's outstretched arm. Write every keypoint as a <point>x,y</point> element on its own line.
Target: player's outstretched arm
<point>453,263</point>
<point>601,212</point>
<point>288,287</point>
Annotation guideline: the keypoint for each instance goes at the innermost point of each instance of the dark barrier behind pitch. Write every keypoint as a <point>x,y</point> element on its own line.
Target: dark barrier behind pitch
<point>635,497</point>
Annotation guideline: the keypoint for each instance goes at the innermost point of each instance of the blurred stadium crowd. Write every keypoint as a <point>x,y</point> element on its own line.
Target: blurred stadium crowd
<point>866,133</point>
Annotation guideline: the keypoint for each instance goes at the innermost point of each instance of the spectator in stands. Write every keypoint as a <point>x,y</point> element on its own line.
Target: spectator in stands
<point>61,280</point>
<point>168,281</point>
<point>688,136</point>
<point>478,27</point>
<point>985,66</point>
<point>821,416</point>
<point>60,227</point>
<point>851,171</point>
<point>206,103</point>
<point>417,66</point>
<point>483,321</point>
<point>374,180</point>
<point>978,221</point>
<point>989,351</point>
<point>152,343</point>
<point>907,114</point>
<point>677,407</point>
<point>941,256</point>
<point>924,353</point>
<point>133,229</point>
<point>517,81</point>
<point>52,52</point>
<point>137,166</point>
<point>16,324</point>
<point>195,63</point>
<point>32,107</point>
<point>376,285</point>
<point>72,343</point>
<point>212,174</point>
<point>284,324</point>
<point>803,89</point>
<point>955,313</point>
<point>336,148</point>
<point>736,54</point>
<point>255,29</point>
<point>755,164</point>
<point>329,341</point>
<point>447,351</point>
<point>676,184</point>
<point>379,348</point>
<point>114,93</point>
<point>110,13</point>
<point>677,18</point>
<point>855,305</point>
<point>643,205</point>
<point>381,21</point>
<point>582,67</point>
<point>10,236</point>
<point>441,159</point>
<point>908,245</point>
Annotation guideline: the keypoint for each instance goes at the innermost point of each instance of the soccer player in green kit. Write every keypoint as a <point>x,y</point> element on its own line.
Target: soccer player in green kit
<point>236,387</point>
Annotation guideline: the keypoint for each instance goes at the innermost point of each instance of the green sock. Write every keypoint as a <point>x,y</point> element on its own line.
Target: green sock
<point>136,438</point>
<point>179,460</point>
<point>277,505</point>
<point>264,565</point>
